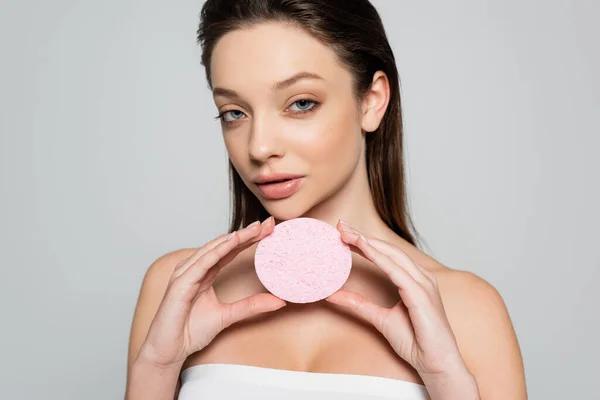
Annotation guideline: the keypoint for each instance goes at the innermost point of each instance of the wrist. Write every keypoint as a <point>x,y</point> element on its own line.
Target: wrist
<point>149,380</point>
<point>144,363</point>
<point>459,384</point>
<point>149,360</point>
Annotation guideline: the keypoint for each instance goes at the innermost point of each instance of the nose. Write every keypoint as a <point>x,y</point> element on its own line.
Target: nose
<point>264,141</point>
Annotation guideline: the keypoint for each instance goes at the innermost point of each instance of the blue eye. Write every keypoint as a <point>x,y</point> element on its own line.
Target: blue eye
<point>303,102</point>
<point>305,106</point>
<point>222,115</point>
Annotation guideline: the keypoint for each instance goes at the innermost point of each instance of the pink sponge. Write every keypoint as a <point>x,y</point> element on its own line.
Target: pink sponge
<point>303,260</point>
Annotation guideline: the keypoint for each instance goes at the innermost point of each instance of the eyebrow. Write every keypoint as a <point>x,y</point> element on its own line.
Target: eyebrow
<point>218,91</point>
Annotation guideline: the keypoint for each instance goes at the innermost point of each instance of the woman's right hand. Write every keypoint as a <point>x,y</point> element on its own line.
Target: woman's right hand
<point>190,316</point>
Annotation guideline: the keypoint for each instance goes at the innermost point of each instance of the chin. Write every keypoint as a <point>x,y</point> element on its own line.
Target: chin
<point>288,208</point>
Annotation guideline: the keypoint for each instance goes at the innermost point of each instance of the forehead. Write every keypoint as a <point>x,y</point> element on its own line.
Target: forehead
<point>258,56</point>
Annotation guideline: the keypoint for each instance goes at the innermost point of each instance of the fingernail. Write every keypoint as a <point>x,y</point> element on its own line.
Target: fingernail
<point>346,227</point>
<point>268,220</point>
<point>254,223</point>
<point>364,238</point>
<point>230,236</point>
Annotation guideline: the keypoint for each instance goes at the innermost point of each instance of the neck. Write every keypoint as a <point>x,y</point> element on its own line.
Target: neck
<point>354,204</point>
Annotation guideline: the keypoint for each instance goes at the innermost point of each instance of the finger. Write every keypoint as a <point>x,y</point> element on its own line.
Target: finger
<point>212,273</point>
<point>208,279</point>
<point>196,272</point>
<point>250,229</point>
<point>360,306</point>
<point>340,225</point>
<point>249,307</point>
<point>398,275</point>
<point>185,264</point>
<point>244,234</point>
<point>397,255</point>
<point>400,258</point>
<point>267,228</point>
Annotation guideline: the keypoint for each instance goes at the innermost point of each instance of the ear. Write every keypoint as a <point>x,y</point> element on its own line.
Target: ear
<point>375,102</point>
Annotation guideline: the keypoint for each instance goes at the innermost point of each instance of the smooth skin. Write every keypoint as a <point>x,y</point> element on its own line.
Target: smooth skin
<point>276,116</point>
<point>190,315</point>
<point>416,327</point>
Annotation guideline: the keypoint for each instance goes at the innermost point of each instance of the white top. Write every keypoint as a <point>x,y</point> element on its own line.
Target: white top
<point>233,381</point>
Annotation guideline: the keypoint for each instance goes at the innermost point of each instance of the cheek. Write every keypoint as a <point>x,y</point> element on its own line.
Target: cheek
<point>335,143</point>
<point>236,149</point>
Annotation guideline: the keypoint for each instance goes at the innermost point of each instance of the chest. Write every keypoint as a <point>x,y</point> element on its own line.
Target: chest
<point>317,337</point>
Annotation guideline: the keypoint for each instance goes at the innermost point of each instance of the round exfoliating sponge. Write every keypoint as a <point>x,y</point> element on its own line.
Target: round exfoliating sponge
<point>303,260</point>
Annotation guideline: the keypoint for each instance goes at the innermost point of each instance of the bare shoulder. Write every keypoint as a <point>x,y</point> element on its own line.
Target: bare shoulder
<point>159,272</point>
<point>152,290</point>
<point>484,331</point>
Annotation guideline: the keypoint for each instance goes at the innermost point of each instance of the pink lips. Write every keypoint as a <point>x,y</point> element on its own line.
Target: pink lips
<point>280,190</point>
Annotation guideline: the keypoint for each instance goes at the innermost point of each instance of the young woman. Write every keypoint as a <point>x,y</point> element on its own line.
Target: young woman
<point>308,97</point>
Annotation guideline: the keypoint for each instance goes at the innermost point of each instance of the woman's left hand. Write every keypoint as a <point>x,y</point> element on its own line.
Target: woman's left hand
<point>417,327</point>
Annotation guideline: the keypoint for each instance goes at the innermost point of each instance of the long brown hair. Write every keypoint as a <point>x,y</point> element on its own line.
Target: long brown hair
<point>354,31</point>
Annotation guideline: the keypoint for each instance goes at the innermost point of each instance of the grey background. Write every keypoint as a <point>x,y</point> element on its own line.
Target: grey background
<point>110,158</point>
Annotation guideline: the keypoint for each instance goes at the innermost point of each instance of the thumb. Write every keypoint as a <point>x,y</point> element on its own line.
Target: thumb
<point>360,306</point>
<point>251,306</point>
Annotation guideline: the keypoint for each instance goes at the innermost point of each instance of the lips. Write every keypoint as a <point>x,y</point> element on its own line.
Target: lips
<point>278,187</point>
<point>276,177</point>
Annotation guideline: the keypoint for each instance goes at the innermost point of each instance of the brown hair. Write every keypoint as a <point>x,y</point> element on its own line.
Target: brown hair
<point>355,32</point>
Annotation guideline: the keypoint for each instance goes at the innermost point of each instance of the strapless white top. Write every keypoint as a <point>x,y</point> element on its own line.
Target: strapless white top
<point>234,381</point>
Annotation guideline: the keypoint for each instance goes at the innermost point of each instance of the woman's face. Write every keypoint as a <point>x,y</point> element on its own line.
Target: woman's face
<point>273,123</point>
